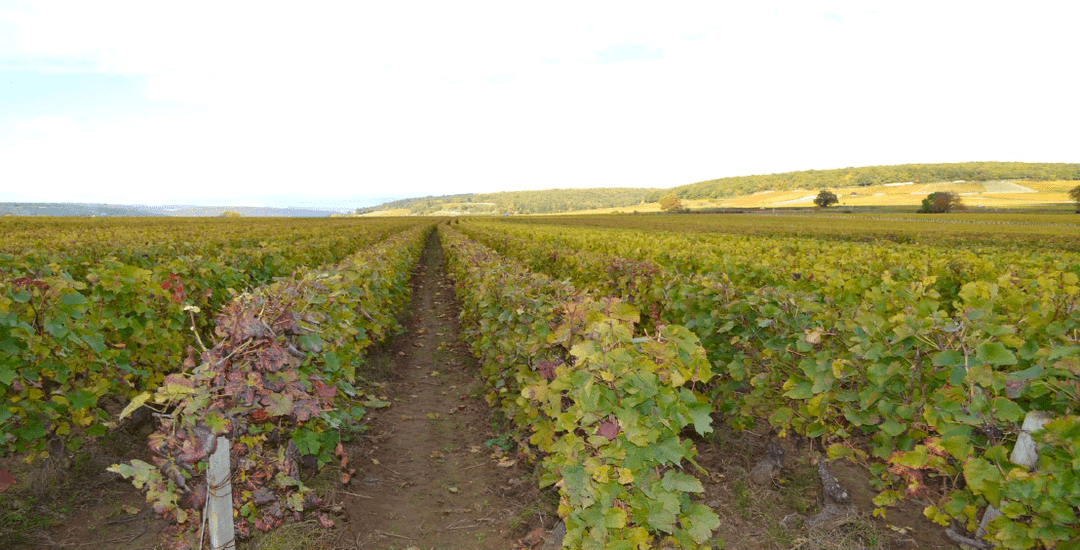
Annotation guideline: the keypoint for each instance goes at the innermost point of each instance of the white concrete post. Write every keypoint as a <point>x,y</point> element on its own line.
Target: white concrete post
<point>1024,453</point>
<point>220,507</point>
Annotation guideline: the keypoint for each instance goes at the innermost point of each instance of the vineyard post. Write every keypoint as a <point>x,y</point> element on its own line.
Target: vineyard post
<point>1025,453</point>
<point>220,507</point>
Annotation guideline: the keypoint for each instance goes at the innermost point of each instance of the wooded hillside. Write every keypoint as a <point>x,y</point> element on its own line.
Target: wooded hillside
<point>570,200</point>
<point>873,175</point>
<point>519,202</point>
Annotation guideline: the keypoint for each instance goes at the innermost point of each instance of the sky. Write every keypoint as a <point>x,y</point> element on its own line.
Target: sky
<point>348,104</point>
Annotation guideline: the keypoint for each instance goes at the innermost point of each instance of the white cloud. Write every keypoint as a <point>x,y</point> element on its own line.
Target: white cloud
<point>53,126</point>
<point>415,98</point>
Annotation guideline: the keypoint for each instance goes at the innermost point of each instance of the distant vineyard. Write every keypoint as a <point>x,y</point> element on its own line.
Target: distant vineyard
<point>1004,231</point>
<point>921,359</point>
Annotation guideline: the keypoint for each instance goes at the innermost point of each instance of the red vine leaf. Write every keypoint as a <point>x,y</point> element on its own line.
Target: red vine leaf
<point>324,391</point>
<point>304,409</point>
<point>608,428</point>
<point>547,369</point>
<point>6,479</point>
<point>178,380</point>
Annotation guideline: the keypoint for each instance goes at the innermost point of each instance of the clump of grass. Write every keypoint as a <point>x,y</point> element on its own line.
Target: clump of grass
<point>325,480</point>
<point>856,533</point>
<point>799,489</point>
<point>377,366</point>
<point>477,390</point>
<point>307,535</point>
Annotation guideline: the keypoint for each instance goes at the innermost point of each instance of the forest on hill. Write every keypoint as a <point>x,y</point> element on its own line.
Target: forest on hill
<point>873,175</point>
<point>550,201</point>
<point>545,201</point>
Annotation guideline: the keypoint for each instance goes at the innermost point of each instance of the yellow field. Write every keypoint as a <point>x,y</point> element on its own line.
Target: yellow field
<point>974,195</point>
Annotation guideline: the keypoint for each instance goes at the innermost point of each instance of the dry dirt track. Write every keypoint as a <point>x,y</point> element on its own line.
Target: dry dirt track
<point>427,479</point>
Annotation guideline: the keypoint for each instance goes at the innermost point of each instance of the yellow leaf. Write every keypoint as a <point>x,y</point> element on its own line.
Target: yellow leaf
<point>135,404</point>
<point>639,537</point>
<point>81,418</point>
<point>838,370</point>
<point>170,392</point>
<point>602,474</point>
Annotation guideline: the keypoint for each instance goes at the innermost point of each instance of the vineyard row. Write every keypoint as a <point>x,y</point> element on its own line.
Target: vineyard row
<point>97,317</point>
<point>922,366</point>
<point>281,383</point>
<point>603,408</point>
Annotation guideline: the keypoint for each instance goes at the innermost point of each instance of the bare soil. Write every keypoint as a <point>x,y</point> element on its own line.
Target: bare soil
<point>773,516</point>
<point>432,475</point>
<point>75,503</point>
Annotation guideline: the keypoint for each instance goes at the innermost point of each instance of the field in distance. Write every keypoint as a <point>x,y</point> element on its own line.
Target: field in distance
<point>893,196</point>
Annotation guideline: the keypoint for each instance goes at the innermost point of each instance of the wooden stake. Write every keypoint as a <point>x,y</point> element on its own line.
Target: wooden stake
<point>220,507</point>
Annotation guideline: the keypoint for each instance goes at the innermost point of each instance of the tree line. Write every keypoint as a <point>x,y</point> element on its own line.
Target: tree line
<point>520,202</point>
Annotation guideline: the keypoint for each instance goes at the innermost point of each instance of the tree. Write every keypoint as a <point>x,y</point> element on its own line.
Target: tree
<point>1074,194</point>
<point>826,198</point>
<point>670,203</point>
<point>941,202</point>
<point>230,214</point>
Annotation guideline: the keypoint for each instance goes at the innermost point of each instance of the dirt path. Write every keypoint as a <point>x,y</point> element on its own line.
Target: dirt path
<point>426,479</point>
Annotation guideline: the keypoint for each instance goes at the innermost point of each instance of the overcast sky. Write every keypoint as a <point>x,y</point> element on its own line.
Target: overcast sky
<point>344,103</point>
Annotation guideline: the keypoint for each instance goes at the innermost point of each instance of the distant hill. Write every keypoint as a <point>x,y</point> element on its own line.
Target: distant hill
<point>552,201</point>
<point>70,209</point>
<point>570,200</point>
<point>245,211</point>
<point>515,202</point>
<point>872,175</point>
